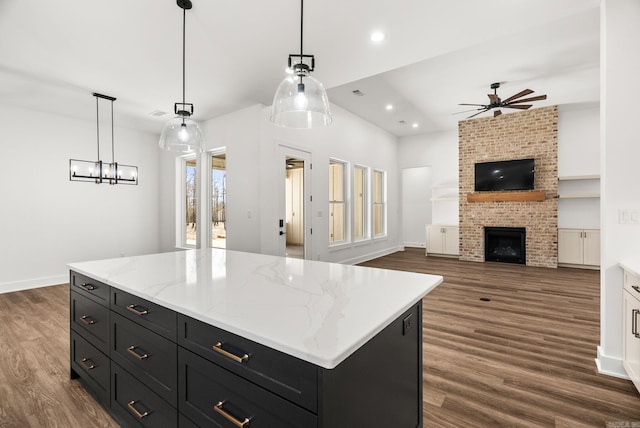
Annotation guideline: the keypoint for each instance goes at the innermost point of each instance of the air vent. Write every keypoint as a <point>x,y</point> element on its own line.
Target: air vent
<point>358,92</point>
<point>402,122</point>
<point>158,113</point>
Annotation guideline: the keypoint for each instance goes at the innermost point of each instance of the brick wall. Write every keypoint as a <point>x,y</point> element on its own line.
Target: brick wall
<point>528,134</point>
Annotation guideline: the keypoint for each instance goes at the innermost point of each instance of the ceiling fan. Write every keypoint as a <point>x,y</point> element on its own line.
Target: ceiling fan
<point>513,101</point>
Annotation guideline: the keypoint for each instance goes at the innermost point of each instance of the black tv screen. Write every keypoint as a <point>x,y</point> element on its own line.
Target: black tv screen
<point>504,175</point>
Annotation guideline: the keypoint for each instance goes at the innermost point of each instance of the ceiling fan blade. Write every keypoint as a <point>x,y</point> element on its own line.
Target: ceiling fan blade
<point>526,100</point>
<point>467,111</point>
<point>473,115</point>
<point>494,98</point>
<point>497,113</point>
<point>479,105</point>
<point>518,95</point>
<point>520,106</point>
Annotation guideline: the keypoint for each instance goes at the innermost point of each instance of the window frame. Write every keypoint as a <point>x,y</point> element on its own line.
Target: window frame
<point>345,202</point>
<point>181,196</point>
<point>366,229</point>
<point>382,203</point>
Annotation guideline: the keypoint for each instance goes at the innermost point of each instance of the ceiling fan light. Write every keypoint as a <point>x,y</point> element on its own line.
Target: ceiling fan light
<point>182,135</point>
<point>294,109</point>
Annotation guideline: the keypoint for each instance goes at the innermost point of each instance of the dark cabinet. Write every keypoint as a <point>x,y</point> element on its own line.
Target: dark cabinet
<point>150,366</point>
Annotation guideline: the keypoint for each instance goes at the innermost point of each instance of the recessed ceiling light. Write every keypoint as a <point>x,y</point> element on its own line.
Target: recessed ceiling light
<point>377,36</point>
<point>415,125</point>
<point>389,107</point>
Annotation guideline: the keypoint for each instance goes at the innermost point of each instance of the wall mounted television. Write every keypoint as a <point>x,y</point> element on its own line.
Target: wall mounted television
<point>504,175</point>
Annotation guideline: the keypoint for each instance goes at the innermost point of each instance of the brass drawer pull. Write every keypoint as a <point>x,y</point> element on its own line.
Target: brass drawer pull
<point>87,320</point>
<point>132,308</point>
<point>637,288</point>
<point>132,351</point>
<point>87,363</point>
<point>87,286</point>
<point>218,348</point>
<point>240,424</point>
<point>131,406</point>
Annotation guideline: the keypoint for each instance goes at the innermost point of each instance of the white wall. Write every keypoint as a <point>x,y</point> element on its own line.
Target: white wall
<point>254,169</point>
<point>620,128</point>
<point>47,221</point>
<point>440,152</point>
<point>416,205</point>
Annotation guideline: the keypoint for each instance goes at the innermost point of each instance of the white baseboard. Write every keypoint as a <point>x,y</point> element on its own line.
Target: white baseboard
<point>371,256</point>
<point>415,244</point>
<point>28,284</point>
<point>610,366</point>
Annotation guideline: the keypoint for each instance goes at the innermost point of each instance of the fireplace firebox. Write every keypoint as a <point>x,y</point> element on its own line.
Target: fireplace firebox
<point>505,244</point>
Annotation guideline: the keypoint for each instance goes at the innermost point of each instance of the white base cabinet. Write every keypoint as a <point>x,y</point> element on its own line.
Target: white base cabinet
<point>579,247</point>
<point>631,338</point>
<point>443,240</point>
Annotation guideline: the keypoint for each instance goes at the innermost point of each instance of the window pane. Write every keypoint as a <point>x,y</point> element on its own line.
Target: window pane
<point>378,220</point>
<point>190,202</point>
<point>377,187</point>
<point>218,200</point>
<point>336,222</point>
<point>379,204</point>
<point>358,202</point>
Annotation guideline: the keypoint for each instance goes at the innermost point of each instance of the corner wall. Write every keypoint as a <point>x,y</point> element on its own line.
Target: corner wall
<point>530,134</point>
<point>47,221</point>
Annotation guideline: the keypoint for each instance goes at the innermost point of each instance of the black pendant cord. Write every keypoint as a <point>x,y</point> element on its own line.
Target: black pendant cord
<point>301,35</point>
<point>98,128</point>
<point>184,32</point>
<point>113,157</point>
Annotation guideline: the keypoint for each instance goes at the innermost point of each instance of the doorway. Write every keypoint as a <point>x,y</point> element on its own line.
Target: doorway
<point>294,221</point>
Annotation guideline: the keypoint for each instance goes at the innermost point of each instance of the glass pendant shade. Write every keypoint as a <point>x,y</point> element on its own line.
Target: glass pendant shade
<point>182,135</point>
<point>297,105</point>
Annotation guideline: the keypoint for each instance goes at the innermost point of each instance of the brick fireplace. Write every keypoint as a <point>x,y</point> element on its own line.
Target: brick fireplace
<point>528,134</point>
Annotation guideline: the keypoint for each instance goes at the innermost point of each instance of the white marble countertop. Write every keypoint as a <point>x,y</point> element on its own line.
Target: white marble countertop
<point>632,265</point>
<point>316,311</point>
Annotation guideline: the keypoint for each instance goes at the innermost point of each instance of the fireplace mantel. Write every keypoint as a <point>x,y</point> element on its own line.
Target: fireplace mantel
<point>536,196</point>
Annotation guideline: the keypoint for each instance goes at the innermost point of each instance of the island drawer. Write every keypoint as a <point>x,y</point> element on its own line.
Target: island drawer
<point>291,378</point>
<point>91,320</point>
<point>137,405</point>
<point>91,365</point>
<point>150,356</point>
<point>632,283</point>
<point>154,317</point>
<point>89,287</point>
<point>212,396</point>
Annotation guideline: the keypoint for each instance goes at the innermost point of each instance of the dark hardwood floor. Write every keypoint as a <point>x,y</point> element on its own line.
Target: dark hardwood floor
<point>523,359</point>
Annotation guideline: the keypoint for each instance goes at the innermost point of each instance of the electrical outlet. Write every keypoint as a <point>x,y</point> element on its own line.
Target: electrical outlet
<point>407,324</point>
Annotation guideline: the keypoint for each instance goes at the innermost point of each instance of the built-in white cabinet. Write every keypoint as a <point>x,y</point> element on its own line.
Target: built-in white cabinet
<point>580,247</point>
<point>443,240</point>
<point>631,338</point>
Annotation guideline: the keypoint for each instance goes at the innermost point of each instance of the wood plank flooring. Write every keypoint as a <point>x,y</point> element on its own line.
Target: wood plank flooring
<point>523,359</point>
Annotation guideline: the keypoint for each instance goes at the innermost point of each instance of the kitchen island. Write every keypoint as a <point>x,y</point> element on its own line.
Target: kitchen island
<point>223,338</point>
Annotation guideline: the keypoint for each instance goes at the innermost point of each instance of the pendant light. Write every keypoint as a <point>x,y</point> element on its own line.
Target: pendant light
<point>98,171</point>
<point>182,134</point>
<point>301,101</point>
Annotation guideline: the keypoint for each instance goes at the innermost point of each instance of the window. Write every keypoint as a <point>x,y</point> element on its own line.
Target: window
<point>359,202</point>
<point>379,203</point>
<point>189,189</point>
<point>218,200</point>
<point>337,186</point>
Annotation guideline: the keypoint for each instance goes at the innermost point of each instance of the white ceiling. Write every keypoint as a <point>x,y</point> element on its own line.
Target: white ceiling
<point>437,54</point>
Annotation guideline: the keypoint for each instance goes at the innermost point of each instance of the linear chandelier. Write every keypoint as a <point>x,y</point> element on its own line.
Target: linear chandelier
<point>300,100</point>
<point>98,171</point>
<point>182,134</point>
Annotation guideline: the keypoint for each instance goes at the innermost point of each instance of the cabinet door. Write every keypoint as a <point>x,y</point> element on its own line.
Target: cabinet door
<point>592,247</point>
<point>631,342</point>
<point>451,240</point>
<point>570,246</point>
<point>434,239</point>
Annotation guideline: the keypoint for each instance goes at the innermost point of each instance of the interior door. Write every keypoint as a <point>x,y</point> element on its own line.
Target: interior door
<point>294,220</point>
